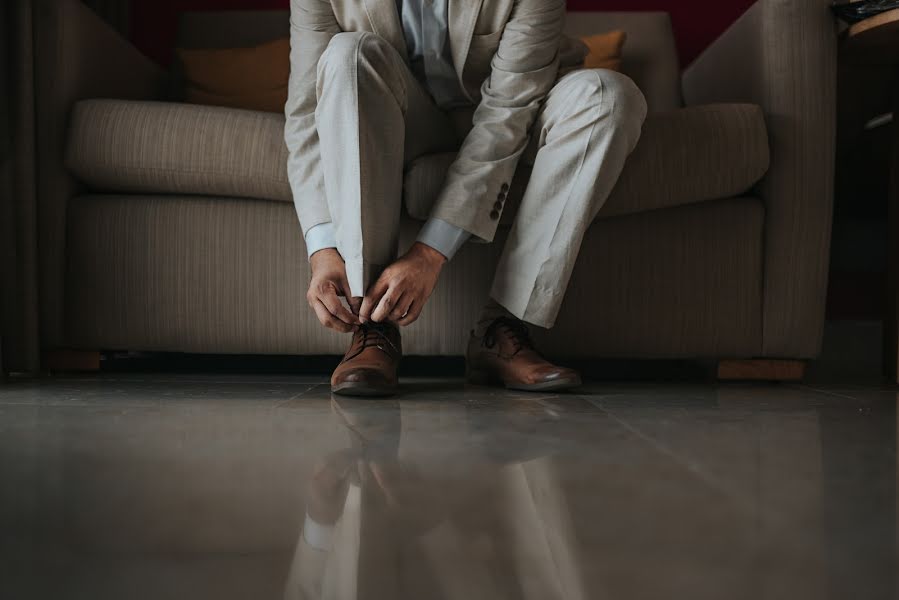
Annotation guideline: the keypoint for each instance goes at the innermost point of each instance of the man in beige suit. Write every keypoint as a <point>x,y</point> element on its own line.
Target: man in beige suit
<point>377,83</point>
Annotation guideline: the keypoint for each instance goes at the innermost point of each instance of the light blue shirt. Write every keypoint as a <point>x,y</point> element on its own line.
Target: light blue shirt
<point>427,43</point>
<point>425,27</point>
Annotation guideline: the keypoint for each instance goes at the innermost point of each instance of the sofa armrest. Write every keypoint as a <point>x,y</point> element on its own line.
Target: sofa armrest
<point>77,55</point>
<point>782,55</point>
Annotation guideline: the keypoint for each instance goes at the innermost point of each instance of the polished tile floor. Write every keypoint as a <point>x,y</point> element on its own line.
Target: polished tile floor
<point>139,486</point>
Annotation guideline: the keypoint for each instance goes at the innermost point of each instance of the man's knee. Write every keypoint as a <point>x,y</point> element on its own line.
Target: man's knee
<point>615,94</point>
<point>350,49</point>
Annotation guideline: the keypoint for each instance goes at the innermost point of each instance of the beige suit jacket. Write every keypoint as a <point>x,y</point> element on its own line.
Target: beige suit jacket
<point>507,54</point>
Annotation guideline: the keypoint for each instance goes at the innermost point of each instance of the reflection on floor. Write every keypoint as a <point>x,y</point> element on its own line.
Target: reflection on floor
<point>130,486</point>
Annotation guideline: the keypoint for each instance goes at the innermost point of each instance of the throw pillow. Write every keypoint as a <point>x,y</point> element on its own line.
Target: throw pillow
<point>605,50</point>
<point>251,78</point>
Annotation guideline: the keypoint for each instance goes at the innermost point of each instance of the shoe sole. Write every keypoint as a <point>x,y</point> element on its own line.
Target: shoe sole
<point>558,385</point>
<point>548,386</point>
<point>362,389</point>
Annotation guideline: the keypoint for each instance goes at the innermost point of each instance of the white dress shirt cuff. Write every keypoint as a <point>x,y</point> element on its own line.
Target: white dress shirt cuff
<point>316,534</point>
<point>442,237</point>
<point>319,237</point>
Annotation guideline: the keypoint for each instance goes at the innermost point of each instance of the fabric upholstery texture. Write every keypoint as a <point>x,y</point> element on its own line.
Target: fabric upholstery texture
<point>70,42</point>
<point>153,147</point>
<point>782,55</point>
<point>117,145</point>
<point>197,274</point>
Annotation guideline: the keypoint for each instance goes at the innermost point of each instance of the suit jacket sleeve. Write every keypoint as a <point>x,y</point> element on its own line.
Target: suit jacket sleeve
<point>523,70</point>
<point>312,25</point>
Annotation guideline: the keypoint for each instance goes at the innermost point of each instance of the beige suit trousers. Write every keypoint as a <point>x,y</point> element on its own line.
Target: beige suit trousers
<point>373,118</point>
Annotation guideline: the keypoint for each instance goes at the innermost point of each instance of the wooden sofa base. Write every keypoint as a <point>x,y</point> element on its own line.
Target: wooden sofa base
<point>761,370</point>
<point>72,360</point>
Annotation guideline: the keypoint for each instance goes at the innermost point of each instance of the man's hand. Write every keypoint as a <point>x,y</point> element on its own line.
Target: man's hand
<point>328,283</point>
<point>401,291</point>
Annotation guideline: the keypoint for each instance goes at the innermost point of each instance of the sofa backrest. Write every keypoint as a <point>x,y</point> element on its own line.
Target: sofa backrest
<point>650,54</point>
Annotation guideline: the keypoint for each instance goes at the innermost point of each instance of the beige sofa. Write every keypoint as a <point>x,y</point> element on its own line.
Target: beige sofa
<point>170,227</point>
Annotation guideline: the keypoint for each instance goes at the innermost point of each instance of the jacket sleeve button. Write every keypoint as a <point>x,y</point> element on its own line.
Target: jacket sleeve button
<point>494,215</point>
<point>497,205</point>
<point>504,187</point>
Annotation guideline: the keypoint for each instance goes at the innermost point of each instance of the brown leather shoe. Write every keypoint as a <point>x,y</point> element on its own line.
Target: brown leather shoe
<point>506,355</point>
<point>369,367</point>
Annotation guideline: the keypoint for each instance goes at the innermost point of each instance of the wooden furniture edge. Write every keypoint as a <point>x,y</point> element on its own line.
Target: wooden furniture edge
<point>71,360</point>
<point>762,369</point>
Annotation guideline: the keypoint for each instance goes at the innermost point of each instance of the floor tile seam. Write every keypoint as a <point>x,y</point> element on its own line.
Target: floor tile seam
<point>807,388</point>
<point>298,395</point>
<point>682,461</point>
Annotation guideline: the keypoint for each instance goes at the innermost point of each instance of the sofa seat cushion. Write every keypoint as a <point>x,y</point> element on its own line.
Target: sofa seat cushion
<point>684,156</point>
<point>171,148</point>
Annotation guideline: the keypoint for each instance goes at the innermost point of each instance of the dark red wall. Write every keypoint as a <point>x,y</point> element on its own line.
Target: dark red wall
<point>696,22</point>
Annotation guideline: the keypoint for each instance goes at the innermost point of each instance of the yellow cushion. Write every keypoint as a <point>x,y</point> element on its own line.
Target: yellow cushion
<point>251,78</point>
<point>605,50</point>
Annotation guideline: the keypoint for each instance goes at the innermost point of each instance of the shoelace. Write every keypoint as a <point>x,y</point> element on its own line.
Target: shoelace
<point>517,330</point>
<point>374,335</point>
